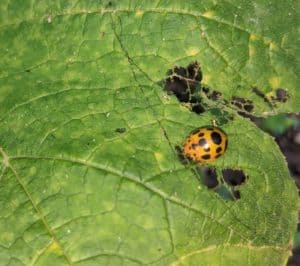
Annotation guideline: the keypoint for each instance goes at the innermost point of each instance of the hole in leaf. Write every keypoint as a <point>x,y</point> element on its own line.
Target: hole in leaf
<point>242,103</point>
<point>182,82</point>
<point>233,177</point>
<point>260,94</point>
<point>281,95</point>
<point>208,176</point>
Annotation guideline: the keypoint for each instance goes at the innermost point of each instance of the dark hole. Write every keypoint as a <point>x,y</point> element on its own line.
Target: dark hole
<point>198,109</point>
<point>281,95</point>
<point>238,99</point>
<point>194,71</point>
<point>180,71</point>
<point>195,99</point>
<point>248,107</point>
<point>182,82</point>
<point>121,130</point>
<point>237,194</point>
<point>233,177</point>
<point>179,88</point>
<point>205,90</point>
<point>216,137</point>
<point>215,95</point>
<point>209,176</point>
<point>237,104</point>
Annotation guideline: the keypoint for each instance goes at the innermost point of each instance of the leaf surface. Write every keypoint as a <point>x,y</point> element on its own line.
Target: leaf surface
<point>89,171</point>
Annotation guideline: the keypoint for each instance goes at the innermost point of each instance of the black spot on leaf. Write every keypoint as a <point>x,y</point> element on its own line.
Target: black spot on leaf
<point>121,130</point>
<point>205,157</point>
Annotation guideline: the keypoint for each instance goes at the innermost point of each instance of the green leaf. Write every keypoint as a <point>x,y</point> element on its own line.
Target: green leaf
<point>89,171</point>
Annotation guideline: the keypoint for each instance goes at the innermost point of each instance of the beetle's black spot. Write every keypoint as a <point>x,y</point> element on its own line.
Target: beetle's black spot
<point>205,157</point>
<point>201,134</point>
<point>202,142</point>
<point>207,149</point>
<point>194,154</point>
<point>216,137</point>
<point>219,149</point>
<point>209,128</point>
<point>217,156</point>
<point>194,146</point>
<point>190,148</point>
<point>233,177</point>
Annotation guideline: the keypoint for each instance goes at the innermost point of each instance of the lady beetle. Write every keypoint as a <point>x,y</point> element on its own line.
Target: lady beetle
<point>205,144</point>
